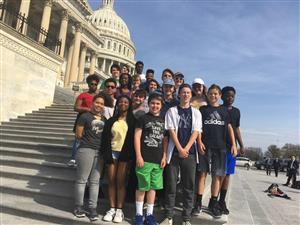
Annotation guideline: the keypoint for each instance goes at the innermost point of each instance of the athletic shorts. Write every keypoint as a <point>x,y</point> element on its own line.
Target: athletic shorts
<point>213,161</point>
<point>150,177</point>
<point>230,163</point>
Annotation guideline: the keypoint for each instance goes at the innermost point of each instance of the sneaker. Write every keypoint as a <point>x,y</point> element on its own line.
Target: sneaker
<point>93,214</point>
<point>109,215</point>
<point>79,211</point>
<point>71,163</point>
<point>119,216</point>
<point>186,222</point>
<point>223,208</point>
<point>215,209</point>
<point>139,220</point>
<point>150,220</point>
<point>197,210</point>
<point>167,221</point>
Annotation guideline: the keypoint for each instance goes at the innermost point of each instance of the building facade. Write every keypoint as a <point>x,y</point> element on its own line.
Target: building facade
<point>45,43</point>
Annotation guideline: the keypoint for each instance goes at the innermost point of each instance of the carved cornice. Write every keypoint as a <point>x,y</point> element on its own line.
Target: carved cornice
<point>65,14</point>
<point>78,27</point>
<point>28,53</point>
<point>48,3</point>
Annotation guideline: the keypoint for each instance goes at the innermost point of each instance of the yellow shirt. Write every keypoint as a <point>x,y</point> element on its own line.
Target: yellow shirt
<point>118,131</point>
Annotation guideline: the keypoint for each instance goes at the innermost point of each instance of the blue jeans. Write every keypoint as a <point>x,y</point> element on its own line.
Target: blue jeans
<point>75,147</point>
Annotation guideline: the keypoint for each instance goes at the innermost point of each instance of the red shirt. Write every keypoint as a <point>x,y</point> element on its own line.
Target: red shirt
<point>87,99</point>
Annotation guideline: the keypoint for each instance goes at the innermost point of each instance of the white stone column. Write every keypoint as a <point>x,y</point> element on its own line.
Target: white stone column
<point>82,63</point>
<point>103,65</point>
<point>75,56</point>
<point>67,74</point>
<point>111,63</point>
<point>24,11</point>
<point>46,19</point>
<point>63,32</point>
<point>93,63</point>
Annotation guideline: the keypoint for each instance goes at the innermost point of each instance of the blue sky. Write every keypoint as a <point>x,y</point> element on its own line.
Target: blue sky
<point>251,45</point>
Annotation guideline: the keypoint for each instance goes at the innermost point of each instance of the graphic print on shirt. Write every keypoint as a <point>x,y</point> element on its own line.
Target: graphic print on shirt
<point>154,139</point>
<point>214,118</point>
<point>97,126</point>
<point>185,120</point>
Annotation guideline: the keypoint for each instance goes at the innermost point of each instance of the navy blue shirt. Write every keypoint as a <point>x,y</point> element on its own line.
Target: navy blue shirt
<point>185,128</point>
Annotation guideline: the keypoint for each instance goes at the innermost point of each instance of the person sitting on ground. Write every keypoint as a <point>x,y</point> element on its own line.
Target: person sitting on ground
<point>118,149</point>
<point>83,104</point>
<point>89,157</point>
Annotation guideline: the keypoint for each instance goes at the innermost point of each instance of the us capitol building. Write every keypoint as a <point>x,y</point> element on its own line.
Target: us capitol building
<point>56,42</point>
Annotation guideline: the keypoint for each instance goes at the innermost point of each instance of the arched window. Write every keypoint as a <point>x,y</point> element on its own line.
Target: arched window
<point>108,45</point>
<point>120,48</point>
<point>124,49</point>
<point>115,46</point>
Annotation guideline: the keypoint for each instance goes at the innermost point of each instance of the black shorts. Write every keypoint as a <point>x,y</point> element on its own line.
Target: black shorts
<point>213,161</point>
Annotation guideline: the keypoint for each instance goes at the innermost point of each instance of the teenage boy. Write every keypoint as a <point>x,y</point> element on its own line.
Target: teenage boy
<point>115,71</point>
<point>216,126</point>
<point>228,96</point>
<point>138,104</point>
<point>167,74</point>
<point>150,158</point>
<point>184,124</point>
<point>139,67</point>
<point>168,90</point>
<point>149,77</point>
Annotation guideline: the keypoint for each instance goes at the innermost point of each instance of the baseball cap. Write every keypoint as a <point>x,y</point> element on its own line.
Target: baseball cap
<point>168,82</point>
<point>198,81</point>
<point>179,74</point>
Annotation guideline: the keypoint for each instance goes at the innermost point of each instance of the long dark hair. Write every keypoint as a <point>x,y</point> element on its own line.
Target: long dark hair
<point>129,84</point>
<point>129,115</point>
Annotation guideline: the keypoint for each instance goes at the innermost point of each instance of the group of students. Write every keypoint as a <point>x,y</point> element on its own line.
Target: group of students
<point>162,132</point>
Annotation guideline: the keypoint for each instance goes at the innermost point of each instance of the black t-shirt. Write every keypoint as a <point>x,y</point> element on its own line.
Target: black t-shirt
<point>185,128</point>
<point>235,115</point>
<point>153,128</point>
<point>215,122</point>
<point>92,130</point>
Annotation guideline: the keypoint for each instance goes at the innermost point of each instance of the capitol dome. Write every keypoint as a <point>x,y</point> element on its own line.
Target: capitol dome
<point>118,47</point>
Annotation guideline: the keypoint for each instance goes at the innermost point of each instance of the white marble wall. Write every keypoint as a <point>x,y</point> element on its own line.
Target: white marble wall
<point>28,76</point>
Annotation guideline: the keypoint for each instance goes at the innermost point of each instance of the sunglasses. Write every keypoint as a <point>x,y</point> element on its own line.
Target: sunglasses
<point>112,87</point>
<point>178,78</point>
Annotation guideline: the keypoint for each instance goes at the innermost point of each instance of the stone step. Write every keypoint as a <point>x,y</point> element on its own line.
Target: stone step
<point>34,163</point>
<point>56,110</point>
<point>45,121</point>
<point>39,186</point>
<point>51,115</point>
<point>68,134</point>
<point>44,112</point>
<point>53,118</point>
<point>46,154</point>
<point>19,126</point>
<point>33,138</point>
<point>50,210</point>
<point>46,173</point>
<point>68,106</point>
<point>35,124</point>
<point>35,145</point>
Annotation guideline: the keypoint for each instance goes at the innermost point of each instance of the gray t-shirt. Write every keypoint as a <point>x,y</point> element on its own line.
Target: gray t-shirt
<point>92,133</point>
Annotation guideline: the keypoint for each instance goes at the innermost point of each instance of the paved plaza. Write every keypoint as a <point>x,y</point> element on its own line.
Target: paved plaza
<point>248,203</point>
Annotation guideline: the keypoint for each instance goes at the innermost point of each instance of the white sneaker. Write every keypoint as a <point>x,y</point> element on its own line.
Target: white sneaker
<point>167,221</point>
<point>109,215</point>
<point>71,163</point>
<point>119,216</point>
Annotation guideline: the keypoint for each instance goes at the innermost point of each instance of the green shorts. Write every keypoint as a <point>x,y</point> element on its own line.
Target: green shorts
<point>150,177</point>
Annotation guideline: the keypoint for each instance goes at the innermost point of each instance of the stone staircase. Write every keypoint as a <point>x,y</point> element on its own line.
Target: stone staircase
<point>36,186</point>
